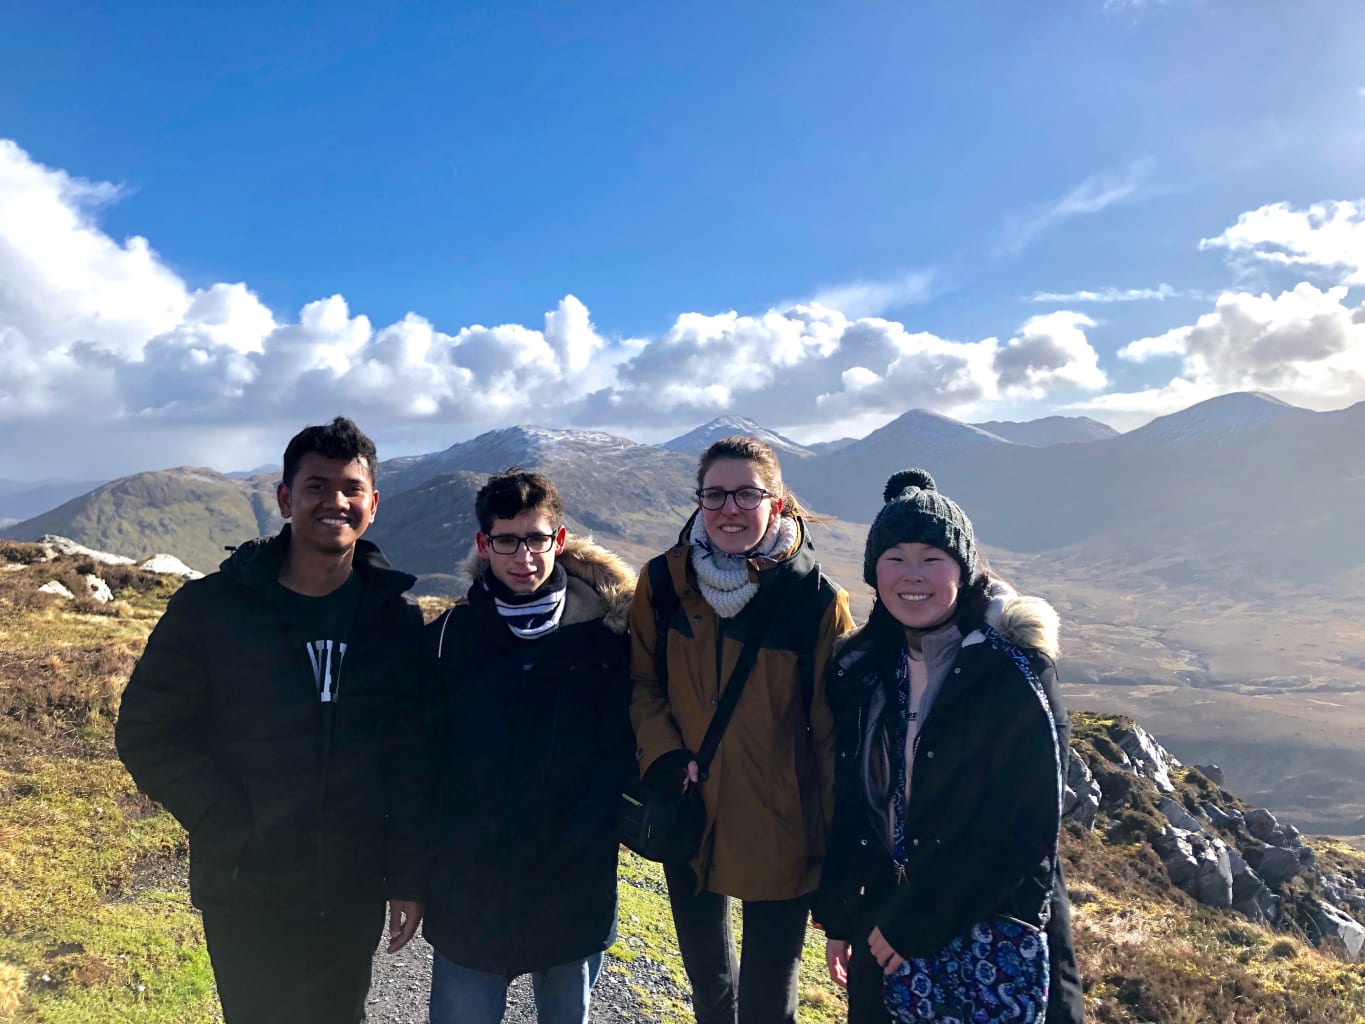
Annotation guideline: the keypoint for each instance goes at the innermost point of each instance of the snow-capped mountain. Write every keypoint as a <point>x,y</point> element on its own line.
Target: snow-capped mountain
<point>1217,420</point>
<point>694,442</point>
<point>1050,430</point>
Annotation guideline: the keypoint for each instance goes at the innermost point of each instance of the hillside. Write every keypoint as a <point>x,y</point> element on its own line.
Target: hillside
<point>95,923</point>
<point>190,512</point>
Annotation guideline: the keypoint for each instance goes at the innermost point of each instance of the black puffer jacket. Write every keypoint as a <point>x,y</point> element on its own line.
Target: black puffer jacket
<point>531,742</point>
<point>983,814</point>
<point>292,805</point>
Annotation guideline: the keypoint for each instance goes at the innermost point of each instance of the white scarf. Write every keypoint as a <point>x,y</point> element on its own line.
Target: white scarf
<point>723,578</point>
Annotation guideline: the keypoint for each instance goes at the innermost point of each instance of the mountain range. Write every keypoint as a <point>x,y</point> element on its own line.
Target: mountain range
<point>1209,567</point>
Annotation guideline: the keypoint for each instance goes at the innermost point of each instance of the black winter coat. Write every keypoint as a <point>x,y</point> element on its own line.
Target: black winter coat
<point>292,805</point>
<point>983,814</point>
<point>531,743</point>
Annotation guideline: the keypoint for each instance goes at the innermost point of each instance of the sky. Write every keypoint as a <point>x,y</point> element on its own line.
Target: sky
<point>219,225</point>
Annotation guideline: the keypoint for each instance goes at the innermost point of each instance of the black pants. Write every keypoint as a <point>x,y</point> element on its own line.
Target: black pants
<point>865,1002</point>
<point>273,968</point>
<point>762,989</point>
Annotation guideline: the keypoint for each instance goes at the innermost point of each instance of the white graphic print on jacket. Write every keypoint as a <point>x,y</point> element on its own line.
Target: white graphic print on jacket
<point>326,657</point>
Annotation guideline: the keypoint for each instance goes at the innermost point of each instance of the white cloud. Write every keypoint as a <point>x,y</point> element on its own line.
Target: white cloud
<point>1328,236</point>
<point>1160,293</point>
<point>1050,352</point>
<point>1094,194</point>
<point>1305,345</point>
<point>873,298</point>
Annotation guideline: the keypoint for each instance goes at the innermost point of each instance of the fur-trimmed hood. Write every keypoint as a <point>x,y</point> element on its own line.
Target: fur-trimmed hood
<point>601,584</point>
<point>1027,622</point>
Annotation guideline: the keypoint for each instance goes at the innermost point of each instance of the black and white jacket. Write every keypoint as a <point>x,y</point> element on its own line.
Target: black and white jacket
<point>530,741</point>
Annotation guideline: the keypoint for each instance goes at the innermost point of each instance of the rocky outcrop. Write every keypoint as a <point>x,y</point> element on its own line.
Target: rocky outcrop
<point>1223,855</point>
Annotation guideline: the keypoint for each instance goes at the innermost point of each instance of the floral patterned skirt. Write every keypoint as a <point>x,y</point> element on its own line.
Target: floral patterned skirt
<point>997,972</point>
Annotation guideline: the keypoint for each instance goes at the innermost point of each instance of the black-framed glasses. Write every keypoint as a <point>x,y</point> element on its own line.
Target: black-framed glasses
<point>747,498</point>
<point>507,543</point>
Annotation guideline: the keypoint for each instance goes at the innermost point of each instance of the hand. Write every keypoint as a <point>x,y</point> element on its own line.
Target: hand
<point>693,773</point>
<point>404,916</point>
<point>837,952</point>
<point>883,953</point>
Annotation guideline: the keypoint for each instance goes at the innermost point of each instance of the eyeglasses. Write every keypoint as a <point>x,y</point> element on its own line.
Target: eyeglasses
<point>507,543</point>
<point>747,498</point>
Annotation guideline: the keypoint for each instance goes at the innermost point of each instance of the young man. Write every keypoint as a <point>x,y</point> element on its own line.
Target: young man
<point>276,714</point>
<point>529,691</point>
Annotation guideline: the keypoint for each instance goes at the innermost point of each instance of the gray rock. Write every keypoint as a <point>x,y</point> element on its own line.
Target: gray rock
<point>54,587</point>
<point>1197,863</point>
<point>1335,923</point>
<point>1261,823</point>
<point>1179,817</point>
<point>1083,794</point>
<point>1149,757</point>
<point>1252,897</point>
<point>1277,866</point>
<point>1213,878</point>
<point>55,545</point>
<point>1218,816</point>
<point>1174,849</point>
<point>1211,772</point>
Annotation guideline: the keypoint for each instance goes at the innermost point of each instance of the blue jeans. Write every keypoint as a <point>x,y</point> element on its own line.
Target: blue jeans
<point>461,995</point>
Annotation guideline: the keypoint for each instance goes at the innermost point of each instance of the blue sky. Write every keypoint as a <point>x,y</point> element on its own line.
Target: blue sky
<point>928,204</point>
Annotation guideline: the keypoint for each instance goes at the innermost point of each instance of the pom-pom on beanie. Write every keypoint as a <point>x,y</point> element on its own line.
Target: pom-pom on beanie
<point>916,513</point>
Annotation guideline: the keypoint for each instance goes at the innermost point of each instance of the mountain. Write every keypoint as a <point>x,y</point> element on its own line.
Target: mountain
<point>694,442</point>
<point>633,497</point>
<point>848,481</point>
<point>1050,430</point>
<point>20,499</point>
<point>189,512</point>
<point>825,447</point>
<point>1224,418</point>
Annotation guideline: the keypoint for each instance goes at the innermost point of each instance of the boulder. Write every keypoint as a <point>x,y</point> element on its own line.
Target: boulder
<point>1211,772</point>
<point>54,587</point>
<point>1334,923</point>
<point>1219,817</point>
<point>1198,864</point>
<point>55,545</point>
<point>1261,823</point>
<point>99,590</point>
<point>1149,757</point>
<point>1277,866</point>
<point>1082,799</point>
<point>1179,817</point>
<point>169,565</point>
<point>1174,849</point>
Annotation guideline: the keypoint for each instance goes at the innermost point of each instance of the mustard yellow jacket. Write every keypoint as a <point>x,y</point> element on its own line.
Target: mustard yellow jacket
<point>770,789</point>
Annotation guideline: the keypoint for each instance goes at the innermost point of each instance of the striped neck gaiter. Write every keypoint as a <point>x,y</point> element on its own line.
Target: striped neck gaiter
<point>531,615</point>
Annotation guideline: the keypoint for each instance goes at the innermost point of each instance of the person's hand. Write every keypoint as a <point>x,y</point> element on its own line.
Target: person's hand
<point>404,916</point>
<point>883,953</point>
<point>672,772</point>
<point>693,773</point>
<point>837,953</point>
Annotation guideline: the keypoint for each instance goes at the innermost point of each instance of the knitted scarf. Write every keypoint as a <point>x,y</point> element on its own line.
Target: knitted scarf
<point>529,615</point>
<point>723,578</point>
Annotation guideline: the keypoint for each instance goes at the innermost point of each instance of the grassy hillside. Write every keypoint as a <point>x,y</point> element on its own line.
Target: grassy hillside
<point>191,513</point>
<point>95,922</point>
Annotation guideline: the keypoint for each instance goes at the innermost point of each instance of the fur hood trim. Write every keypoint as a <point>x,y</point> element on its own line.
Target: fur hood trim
<point>1027,622</point>
<point>601,584</point>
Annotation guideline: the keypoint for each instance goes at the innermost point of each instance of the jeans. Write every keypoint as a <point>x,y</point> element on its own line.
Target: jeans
<point>762,989</point>
<point>462,995</point>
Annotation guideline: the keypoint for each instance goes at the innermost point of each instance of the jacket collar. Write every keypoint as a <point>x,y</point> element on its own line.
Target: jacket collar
<point>257,563</point>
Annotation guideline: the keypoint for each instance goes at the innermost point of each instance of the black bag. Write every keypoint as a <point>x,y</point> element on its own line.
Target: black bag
<point>667,827</point>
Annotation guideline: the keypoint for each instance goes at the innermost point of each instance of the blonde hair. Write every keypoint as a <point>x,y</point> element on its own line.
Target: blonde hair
<point>744,448</point>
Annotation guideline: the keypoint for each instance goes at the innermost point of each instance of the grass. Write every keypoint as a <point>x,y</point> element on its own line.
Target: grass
<point>96,926</point>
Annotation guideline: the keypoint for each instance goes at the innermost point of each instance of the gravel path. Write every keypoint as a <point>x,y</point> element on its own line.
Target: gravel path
<point>398,992</point>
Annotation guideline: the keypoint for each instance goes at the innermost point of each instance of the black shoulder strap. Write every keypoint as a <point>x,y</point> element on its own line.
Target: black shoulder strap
<point>758,628</point>
<point>665,600</point>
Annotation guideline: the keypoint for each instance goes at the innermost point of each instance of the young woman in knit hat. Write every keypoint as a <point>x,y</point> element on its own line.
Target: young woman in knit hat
<point>937,885</point>
<point>743,564</point>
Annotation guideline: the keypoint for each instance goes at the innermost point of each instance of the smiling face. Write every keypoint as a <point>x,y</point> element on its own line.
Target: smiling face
<point>523,571</point>
<point>732,529</point>
<point>330,501</point>
<point>918,584</point>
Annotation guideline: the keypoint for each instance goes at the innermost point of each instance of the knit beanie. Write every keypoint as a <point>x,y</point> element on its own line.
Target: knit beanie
<point>916,513</point>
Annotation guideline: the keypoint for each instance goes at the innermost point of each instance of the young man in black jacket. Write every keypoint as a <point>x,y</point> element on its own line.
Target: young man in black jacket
<point>528,690</point>
<point>276,714</point>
